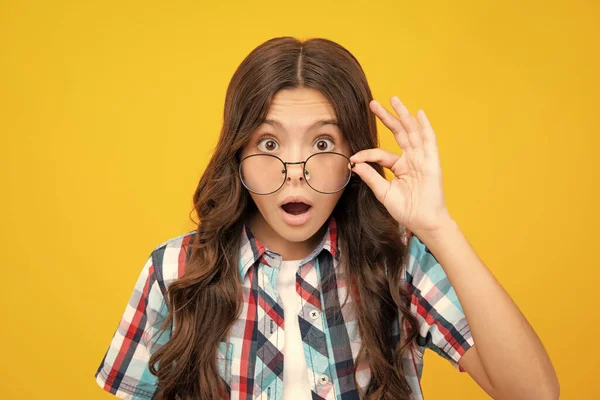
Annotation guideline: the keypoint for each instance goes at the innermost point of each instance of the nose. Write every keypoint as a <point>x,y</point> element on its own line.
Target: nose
<point>295,173</point>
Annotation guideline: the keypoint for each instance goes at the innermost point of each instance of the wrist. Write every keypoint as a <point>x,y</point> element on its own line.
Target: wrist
<point>444,224</point>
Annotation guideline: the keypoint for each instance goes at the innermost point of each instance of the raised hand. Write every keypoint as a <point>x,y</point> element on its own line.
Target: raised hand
<point>415,196</point>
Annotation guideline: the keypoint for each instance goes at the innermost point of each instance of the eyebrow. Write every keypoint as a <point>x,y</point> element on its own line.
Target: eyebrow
<point>317,124</point>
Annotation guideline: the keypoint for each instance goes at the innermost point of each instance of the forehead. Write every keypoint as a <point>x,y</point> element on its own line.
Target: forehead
<point>300,106</point>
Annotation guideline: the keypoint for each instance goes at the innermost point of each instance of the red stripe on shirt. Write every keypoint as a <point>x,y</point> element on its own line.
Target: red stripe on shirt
<point>431,321</point>
<point>133,327</point>
<point>182,256</point>
<point>247,339</point>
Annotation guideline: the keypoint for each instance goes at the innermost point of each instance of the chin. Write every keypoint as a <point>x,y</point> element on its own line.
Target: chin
<point>296,233</point>
<point>300,233</point>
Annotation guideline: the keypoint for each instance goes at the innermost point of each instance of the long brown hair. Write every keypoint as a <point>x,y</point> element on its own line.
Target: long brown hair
<point>206,300</point>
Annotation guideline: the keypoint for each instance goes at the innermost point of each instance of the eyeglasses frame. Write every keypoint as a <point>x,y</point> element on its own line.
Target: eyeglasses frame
<point>285,171</point>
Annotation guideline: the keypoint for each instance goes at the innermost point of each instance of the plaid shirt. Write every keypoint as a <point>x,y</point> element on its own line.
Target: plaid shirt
<point>251,360</point>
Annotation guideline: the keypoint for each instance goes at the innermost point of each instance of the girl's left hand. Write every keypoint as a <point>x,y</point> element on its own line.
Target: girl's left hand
<point>415,196</point>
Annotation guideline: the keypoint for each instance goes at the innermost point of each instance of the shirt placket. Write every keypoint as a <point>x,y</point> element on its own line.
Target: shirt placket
<point>314,332</point>
<point>269,372</point>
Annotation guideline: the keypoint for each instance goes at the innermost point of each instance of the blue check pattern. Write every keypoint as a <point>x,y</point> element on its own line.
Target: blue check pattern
<point>251,359</point>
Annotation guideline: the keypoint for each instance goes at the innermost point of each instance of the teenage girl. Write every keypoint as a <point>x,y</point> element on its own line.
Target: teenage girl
<point>310,275</point>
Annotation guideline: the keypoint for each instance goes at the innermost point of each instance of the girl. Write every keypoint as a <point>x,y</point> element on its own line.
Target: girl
<point>310,275</point>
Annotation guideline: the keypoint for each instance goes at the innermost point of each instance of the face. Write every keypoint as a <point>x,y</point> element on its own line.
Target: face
<point>300,122</point>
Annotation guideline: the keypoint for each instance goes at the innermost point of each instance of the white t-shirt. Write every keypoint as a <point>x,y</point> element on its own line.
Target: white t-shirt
<point>295,375</point>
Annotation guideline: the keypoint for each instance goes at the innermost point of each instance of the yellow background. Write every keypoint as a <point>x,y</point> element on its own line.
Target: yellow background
<point>109,112</point>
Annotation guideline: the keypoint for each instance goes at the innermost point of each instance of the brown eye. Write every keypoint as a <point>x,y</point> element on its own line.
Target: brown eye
<point>267,144</point>
<point>270,145</point>
<point>324,143</point>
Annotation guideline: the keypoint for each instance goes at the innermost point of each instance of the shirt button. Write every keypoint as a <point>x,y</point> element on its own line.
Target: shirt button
<point>314,314</point>
<point>323,379</point>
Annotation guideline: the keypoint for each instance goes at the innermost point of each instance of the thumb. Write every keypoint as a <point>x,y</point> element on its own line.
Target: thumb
<point>378,184</point>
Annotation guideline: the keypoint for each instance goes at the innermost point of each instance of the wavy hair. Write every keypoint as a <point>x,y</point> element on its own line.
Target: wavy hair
<point>207,299</point>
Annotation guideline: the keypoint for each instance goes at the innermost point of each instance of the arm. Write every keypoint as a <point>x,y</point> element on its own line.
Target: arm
<point>510,361</point>
<point>509,352</point>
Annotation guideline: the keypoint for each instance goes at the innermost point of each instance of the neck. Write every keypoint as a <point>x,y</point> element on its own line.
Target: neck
<point>288,250</point>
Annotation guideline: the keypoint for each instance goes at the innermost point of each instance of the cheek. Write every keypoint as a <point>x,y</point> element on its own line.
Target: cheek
<point>326,203</point>
<point>265,204</point>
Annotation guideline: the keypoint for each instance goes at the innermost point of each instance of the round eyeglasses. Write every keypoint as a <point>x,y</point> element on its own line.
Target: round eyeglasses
<point>326,172</point>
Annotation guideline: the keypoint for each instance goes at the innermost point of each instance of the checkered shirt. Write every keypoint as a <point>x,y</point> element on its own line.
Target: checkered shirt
<point>250,360</point>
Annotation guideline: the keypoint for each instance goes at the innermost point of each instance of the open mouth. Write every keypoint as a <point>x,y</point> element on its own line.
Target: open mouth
<point>295,208</point>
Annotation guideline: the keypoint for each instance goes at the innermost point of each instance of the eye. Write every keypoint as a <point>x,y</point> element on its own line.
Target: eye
<point>268,143</point>
<point>324,143</point>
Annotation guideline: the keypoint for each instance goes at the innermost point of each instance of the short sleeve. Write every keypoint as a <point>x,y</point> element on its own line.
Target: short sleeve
<point>124,369</point>
<point>442,323</point>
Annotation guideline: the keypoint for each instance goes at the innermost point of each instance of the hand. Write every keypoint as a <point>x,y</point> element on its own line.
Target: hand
<point>415,196</point>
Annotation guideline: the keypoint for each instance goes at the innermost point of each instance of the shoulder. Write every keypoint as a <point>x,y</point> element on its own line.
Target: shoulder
<point>168,259</point>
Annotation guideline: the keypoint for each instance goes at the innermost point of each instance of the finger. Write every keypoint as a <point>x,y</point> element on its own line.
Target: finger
<point>409,122</point>
<point>385,158</point>
<point>378,184</point>
<point>429,138</point>
<point>424,122</point>
<point>392,123</point>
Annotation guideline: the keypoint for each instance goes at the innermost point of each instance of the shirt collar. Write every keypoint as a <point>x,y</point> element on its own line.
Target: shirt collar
<point>251,250</point>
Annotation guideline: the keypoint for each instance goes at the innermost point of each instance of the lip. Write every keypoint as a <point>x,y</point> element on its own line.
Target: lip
<point>294,220</point>
<point>295,199</point>
<point>299,219</point>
